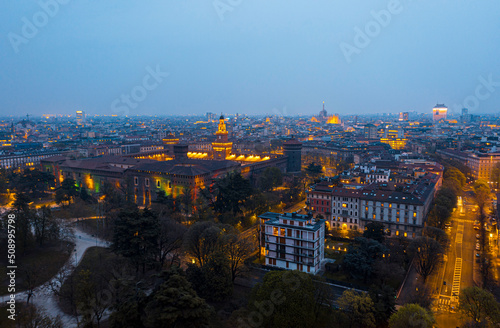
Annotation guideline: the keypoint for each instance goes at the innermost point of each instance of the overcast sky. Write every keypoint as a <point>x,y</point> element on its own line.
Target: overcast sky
<point>248,56</point>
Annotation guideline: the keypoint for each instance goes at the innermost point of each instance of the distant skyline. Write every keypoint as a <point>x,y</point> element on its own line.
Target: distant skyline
<point>249,57</point>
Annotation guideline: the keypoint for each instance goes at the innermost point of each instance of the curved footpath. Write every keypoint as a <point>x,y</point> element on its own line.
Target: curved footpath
<point>43,297</point>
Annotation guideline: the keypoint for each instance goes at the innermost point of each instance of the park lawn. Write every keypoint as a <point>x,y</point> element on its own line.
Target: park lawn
<point>50,258</point>
<point>98,260</point>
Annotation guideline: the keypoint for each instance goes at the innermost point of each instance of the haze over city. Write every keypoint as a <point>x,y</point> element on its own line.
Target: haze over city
<point>259,57</point>
<point>249,163</point>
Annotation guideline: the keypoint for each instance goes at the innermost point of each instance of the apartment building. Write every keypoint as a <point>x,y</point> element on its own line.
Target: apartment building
<point>402,208</point>
<point>293,241</point>
<point>481,164</point>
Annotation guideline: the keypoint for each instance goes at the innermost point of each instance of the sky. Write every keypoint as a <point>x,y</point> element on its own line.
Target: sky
<point>285,57</point>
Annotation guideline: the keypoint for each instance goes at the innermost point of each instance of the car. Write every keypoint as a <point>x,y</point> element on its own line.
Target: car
<point>477,236</point>
<point>478,255</point>
<point>476,227</point>
<point>478,247</point>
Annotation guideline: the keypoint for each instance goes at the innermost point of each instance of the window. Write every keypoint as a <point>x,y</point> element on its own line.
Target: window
<point>147,182</point>
<point>275,231</point>
<point>158,183</point>
<point>344,205</point>
<point>136,181</point>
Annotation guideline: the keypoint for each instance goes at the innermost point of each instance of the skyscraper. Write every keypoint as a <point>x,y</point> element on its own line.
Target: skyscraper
<point>80,117</point>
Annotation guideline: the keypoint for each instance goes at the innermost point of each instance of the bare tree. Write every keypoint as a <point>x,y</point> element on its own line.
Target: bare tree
<point>169,238</point>
<point>428,255</point>
<point>237,249</point>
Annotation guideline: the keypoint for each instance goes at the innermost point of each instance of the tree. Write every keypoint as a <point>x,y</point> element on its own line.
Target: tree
<point>201,240</point>
<point>170,236</point>
<point>283,299</point>
<point>30,316</point>
<point>360,257</point>
<point>24,218</point>
<point>479,305</point>
<point>67,191</point>
<point>384,299</point>
<point>176,304</point>
<point>92,297</point>
<point>359,308</point>
<point>412,315</point>
<point>375,231</point>
<point>231,193</point>
<point>427,253</point>
<point>495,175</point>
<point>46,227</point>
<point>452,173</point>
<point>237,250</point>
<point>84,194</point>
<point>136,236</point>
<point>482,195</point>
<point>270,178</point>
<point>213,280</point>
<point>314,169</point>
<point>437,234</point>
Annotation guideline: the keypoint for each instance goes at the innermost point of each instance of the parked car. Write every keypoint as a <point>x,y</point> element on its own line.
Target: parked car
<point>478,247</point>
<point>477,236</point>
<point>478,255</point>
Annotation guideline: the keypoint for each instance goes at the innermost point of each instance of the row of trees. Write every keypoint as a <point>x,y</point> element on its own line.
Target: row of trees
<point>296,299</point>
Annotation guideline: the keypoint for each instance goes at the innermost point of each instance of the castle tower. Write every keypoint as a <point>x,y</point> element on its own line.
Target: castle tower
<point>293,150</point>
<point>221,146</point>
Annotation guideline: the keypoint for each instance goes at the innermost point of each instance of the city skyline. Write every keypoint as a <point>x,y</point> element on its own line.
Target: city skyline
<point>164,59</point>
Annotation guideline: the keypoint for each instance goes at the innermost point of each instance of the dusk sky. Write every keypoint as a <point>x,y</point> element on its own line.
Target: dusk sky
<point>248,56</point>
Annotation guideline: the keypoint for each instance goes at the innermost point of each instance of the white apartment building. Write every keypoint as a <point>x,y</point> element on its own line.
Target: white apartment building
<point>293,241</point>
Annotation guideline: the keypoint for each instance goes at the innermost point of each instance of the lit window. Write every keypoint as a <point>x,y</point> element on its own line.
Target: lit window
<point>414,214</point>
<point>344,205</point>
<point>397,232</point>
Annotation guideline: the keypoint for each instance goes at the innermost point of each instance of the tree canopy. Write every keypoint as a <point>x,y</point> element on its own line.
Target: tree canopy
<point>411,315</point>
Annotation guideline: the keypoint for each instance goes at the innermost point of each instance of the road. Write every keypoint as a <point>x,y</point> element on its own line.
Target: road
<point>458,268</point>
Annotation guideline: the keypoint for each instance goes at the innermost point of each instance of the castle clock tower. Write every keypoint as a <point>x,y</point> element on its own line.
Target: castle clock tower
<point>221,146</point>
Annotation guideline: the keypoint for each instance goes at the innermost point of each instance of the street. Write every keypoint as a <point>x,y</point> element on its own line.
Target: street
<point>458,268</point>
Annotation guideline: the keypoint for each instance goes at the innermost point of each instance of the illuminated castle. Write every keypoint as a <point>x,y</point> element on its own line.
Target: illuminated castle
<point>221,147</point>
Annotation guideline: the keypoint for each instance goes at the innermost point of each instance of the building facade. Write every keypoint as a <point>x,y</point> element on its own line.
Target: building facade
<point>293,241</point>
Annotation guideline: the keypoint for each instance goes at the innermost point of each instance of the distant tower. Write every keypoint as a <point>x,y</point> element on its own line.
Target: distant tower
<point>439,112</point>
<point>323,114</point>
<point>221,146</point>
<point>293,150</point>
<point>80,117</point>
